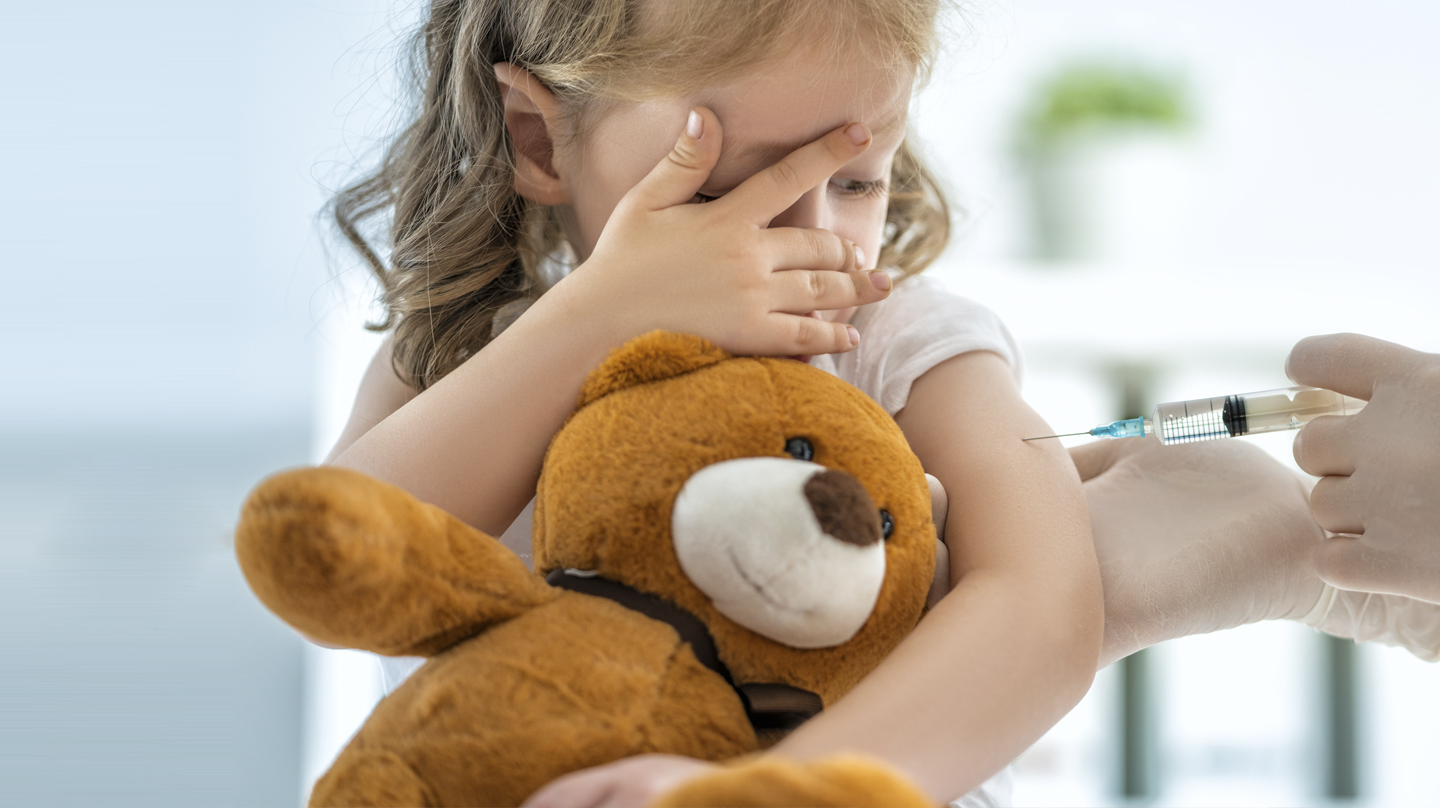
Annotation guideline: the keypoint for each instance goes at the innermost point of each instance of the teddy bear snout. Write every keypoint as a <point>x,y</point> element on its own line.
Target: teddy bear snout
<point>843,508</point>
<point>786,548</point>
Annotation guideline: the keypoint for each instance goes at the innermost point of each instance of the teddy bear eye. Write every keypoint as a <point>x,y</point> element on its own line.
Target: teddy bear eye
<point>887,524</point>
<point>800,449</point>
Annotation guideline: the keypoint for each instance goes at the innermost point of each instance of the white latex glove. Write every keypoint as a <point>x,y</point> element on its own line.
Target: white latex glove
<point>1208,536</point>
<point>1380,468</point>
<point>1392,619</point>
<point>1195,538</point>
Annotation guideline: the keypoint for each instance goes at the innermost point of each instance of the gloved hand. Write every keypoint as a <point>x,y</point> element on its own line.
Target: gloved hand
<point>1195,538</point>
<point>1380,468</point>
<point>1392,619</point>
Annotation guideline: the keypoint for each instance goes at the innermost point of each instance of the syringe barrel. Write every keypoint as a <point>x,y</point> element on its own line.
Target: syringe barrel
<point>1248,413</point>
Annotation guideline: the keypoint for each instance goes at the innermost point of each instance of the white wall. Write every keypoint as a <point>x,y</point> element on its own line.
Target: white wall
<point>166,296</point>
<point>163,164</point>
<point>1319,119</point>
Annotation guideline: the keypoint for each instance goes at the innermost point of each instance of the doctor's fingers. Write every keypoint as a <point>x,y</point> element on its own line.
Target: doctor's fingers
<point>1338,505</point>
<point>1328,446</point>
<point>1349,364</point>
<point>1353,563</point>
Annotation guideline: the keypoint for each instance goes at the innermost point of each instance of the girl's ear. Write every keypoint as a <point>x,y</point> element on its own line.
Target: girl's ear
<point>531,113</point>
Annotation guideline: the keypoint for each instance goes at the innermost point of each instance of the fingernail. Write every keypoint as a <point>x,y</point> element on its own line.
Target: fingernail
<point>854,335</point>
<point>859,257</point>
<point>695,126</point>
<point>857,133</point>
<point>881,280</point>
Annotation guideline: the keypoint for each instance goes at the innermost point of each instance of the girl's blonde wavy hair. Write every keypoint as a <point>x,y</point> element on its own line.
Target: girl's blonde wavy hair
<point>464,244</point>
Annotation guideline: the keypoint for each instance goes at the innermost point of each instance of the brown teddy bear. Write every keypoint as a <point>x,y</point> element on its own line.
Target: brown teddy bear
<point>723,546</point>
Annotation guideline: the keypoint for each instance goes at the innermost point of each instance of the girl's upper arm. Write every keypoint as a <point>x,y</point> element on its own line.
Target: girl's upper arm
<point>965,420</point>
<point>1017,512</point>
<point>381,393</point>
<point>1013,646</point>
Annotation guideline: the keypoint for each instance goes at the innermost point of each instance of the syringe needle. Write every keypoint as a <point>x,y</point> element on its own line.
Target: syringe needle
<point>1066,435</point>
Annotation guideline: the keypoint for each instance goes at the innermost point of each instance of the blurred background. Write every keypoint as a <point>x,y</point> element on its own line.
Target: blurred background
<point>1158,197</point>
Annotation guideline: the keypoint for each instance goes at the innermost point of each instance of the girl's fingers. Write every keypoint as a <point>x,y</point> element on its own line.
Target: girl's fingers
<point>587,788</point>
<point>810,336</point>
<point>800,291</point>
<point>811,248</point>
<point>676,179</point>
<point>769,193</point>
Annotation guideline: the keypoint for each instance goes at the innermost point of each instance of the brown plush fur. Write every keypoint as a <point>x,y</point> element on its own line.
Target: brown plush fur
<point>644,440</point>
<point>526,682</point>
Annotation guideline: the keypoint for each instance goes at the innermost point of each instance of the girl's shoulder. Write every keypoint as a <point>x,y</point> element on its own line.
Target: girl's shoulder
<point>921,324</point>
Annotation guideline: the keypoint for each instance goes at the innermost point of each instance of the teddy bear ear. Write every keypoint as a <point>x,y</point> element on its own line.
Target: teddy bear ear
<point>650,357</point>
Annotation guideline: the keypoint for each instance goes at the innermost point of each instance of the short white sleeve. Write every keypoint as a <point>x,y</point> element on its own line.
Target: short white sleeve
<point>920,325</point>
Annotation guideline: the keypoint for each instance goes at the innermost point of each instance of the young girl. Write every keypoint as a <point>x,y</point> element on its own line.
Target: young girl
<point>590,132</point>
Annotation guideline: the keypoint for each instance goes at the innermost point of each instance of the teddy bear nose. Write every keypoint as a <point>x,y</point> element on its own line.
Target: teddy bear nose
<point>843,508</point>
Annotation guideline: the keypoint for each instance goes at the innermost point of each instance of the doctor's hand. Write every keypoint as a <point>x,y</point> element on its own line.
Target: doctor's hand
<point>1195,538</point>
<point>1380,468</point>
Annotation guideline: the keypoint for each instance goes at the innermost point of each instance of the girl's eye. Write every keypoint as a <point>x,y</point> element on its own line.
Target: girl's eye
<point>859,188</point>
<point>853,188</point>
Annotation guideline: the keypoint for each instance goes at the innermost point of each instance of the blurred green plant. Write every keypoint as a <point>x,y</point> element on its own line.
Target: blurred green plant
<point>1089,94</point>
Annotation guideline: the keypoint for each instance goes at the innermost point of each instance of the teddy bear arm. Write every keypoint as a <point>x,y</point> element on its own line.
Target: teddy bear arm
<point>697,714</point>
<point>371,778</point>
<point>353,562</point>
<point>576,683</point>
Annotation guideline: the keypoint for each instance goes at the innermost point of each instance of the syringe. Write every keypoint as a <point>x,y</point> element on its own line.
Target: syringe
<point>1229,416</point>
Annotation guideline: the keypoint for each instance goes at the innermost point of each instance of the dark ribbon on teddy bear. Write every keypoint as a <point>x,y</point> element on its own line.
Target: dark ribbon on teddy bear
<point>768,705</point>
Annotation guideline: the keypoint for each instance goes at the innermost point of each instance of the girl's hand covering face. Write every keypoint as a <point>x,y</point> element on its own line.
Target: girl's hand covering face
<point>718,269</point>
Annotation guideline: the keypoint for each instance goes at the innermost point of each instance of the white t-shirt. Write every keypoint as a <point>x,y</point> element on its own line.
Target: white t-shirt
<point>920,325</point>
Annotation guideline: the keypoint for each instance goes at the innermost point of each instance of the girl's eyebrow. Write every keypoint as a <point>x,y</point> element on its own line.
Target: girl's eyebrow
<point>770,151</point>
